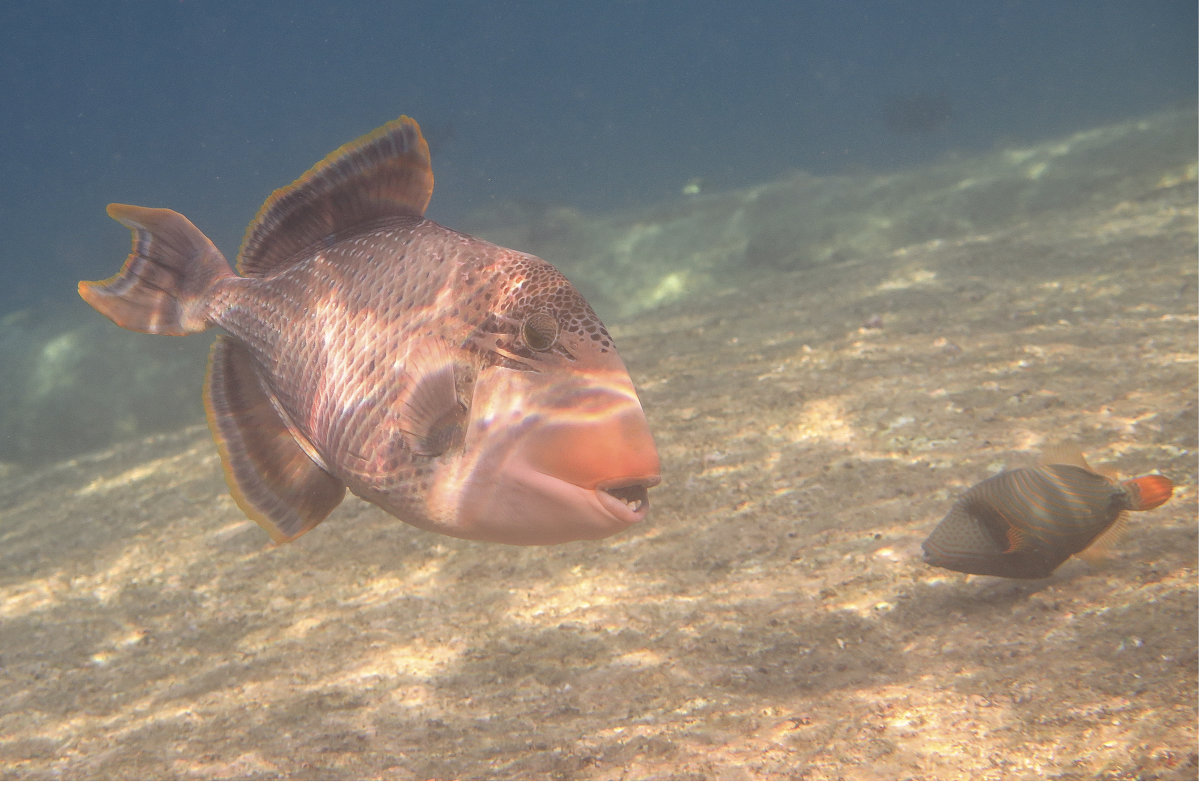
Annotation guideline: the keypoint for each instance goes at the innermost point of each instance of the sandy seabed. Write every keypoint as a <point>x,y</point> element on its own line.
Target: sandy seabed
<point>772,619</point>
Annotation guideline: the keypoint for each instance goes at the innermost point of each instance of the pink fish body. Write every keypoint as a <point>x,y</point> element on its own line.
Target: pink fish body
<point>466,388</point>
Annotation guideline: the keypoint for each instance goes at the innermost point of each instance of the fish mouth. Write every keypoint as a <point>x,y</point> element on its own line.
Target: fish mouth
<point>628,498</point>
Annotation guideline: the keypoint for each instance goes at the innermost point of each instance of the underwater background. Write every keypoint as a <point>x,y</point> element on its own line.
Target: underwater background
<point>530,107</point>
<point>858,256</point>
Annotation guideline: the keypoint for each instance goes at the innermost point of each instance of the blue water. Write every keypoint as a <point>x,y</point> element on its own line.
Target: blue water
<point>208,106</point>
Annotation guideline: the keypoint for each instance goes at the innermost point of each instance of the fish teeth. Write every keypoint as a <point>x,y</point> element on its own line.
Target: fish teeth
<point>632,496</point>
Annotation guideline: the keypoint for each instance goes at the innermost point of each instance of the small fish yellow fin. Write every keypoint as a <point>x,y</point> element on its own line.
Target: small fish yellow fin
<point>272,477</point>
<point>1148,492</point>
<point>1065,455</point>
<point>1101,549</point>
<point>383,175</point>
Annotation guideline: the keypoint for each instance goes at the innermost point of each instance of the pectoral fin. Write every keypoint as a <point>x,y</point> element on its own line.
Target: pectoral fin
<point>433,414</point>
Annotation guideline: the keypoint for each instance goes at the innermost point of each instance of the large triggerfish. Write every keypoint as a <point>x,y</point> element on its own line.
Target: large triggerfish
<point>467,389</point>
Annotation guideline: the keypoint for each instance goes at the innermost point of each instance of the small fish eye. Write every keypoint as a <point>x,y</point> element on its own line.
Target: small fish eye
<point>539,331</point>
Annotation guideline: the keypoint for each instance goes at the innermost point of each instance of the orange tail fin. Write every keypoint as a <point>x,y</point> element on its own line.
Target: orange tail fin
<point>1146,493</point>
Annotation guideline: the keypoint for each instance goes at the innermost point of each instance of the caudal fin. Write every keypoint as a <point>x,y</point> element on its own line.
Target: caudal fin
<point>163,287</point>
<point>1146,493</point>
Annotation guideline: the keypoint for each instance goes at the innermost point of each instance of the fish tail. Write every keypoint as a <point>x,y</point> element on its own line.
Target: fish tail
<point>1146,493</point>
<point>165,284</point>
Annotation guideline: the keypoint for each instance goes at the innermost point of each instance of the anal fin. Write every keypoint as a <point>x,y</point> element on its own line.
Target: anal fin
<point>1105,543</point>
<point>273,479</point>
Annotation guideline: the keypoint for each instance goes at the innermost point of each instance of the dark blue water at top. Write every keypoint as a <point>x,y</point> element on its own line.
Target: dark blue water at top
<point>208,106</point>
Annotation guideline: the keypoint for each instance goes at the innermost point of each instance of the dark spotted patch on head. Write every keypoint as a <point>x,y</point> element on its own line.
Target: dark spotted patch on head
<point>546,288</point>
<point>530,324</point>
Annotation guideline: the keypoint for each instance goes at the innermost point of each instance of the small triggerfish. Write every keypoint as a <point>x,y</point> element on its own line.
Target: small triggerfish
<point>1023,523</point>
<point>467,389</point>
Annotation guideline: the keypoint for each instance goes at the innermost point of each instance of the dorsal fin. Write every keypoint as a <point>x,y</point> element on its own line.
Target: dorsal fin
<point>1065,455</point>
<point>381,175</point>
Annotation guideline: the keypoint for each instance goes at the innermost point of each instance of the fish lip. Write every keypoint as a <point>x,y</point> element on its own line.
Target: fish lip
<point>626,498</point>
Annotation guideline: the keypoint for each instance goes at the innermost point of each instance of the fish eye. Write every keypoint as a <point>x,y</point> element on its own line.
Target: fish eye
<point>539,331</point>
